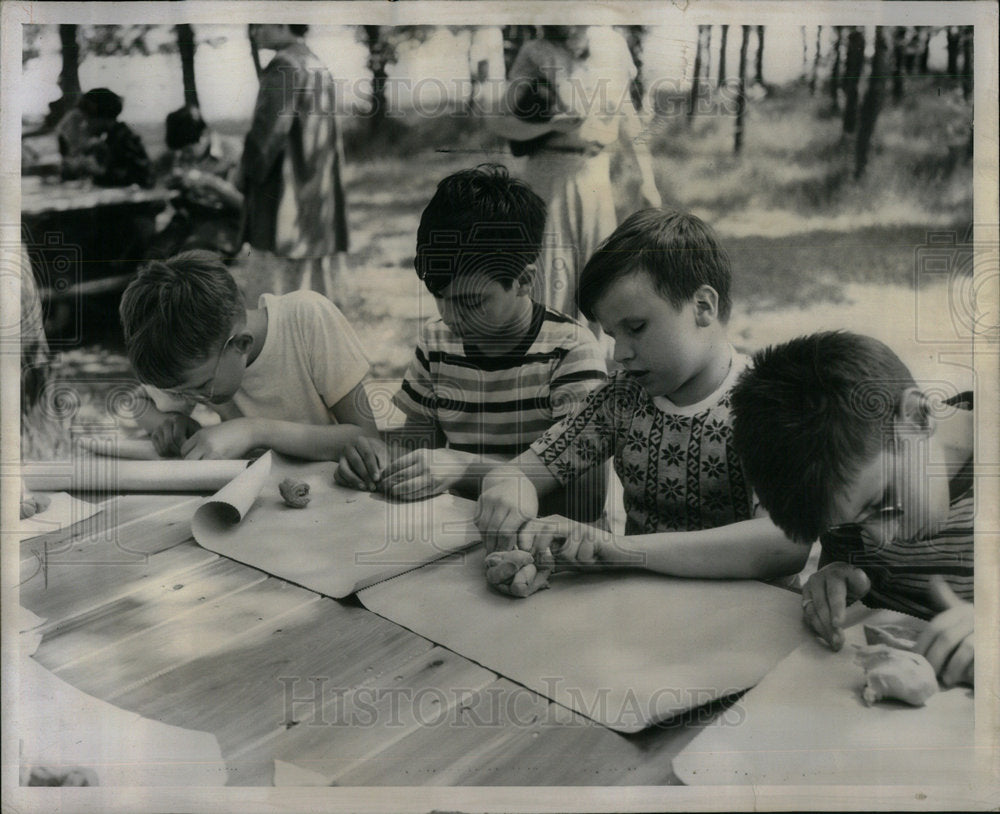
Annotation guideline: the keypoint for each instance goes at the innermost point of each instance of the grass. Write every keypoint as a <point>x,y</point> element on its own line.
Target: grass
<point>800,229</point>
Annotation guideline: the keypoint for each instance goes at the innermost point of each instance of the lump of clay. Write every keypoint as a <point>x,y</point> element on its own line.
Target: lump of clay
<point>896,674</point>
<point>518,573</point>
<point>295,493</point>
<point>33,504</point>
<point>902,634</point>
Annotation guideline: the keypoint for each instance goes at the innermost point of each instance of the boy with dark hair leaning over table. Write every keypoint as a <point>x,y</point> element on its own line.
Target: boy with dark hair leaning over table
<point>496,369</point>
<point>285,375</point>
<point>837,438</point>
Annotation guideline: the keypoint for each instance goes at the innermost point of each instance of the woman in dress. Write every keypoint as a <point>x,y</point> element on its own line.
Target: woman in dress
<point>568,103</point>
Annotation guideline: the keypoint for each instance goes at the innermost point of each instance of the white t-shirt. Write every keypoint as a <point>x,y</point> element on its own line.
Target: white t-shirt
<point>310,360</point>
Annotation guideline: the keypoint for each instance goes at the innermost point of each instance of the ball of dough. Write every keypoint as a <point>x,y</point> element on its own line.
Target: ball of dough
<point>295,493</point>
<point>518,573</point>
<point>896,674</point>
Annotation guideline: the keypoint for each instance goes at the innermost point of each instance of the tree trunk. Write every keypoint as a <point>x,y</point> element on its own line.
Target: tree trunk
<point>953,50</point>
<point>255,55</point>
<point>925,49</point>
<point>872,103</point>
<point>853,66</point>
<point>741,92</point>
<point>708,56</point>
<point>722,56</point>
<point>69,76</point>
<point>805,56</point>
<point>186,46</point>
<point>696,76</point>
<point>634,39</point>
<point>898,59</point>
<point>967,63</point>
<point>835,71</point>
<point>759,66</point>
<point>376,64</point>
<point>815,70</point>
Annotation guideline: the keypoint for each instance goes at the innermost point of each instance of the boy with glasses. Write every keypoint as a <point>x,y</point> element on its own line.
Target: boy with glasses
<point>286,375</point>
<point>839,443</point>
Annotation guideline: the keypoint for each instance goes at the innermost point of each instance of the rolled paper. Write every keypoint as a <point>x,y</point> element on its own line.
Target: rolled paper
<point>228,506</point>
<point>100,474</point>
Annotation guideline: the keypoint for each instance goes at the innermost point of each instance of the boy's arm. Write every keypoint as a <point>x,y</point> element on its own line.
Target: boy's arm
<point>509,499</point>
<point>749,549</point>
<point>167,429</point>
<point>313,442</point>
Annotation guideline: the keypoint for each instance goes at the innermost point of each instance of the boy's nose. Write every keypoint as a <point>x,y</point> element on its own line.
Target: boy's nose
<point>623,352</point>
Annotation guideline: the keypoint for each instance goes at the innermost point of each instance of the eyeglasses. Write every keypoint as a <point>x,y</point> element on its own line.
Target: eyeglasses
<point>198,394</point>
<point>878,518</point>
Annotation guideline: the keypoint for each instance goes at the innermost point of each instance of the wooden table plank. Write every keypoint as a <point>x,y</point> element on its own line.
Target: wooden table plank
<point>152,605</point>
<point>218,625</point>
<point>357,725</point>
<point>77,586</point>
<point>242,693</point>
<point>568,749</point>
<point>118,513</point>
<point>473,733</point>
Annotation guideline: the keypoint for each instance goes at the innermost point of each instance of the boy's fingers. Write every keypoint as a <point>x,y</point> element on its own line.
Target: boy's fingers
<point>942,596</point>
<point>948,632</point>
<point>346,476</point>
<point>830,610</point>
<point>959,666</point>
<point>836,601</point>
<point>858,584</point>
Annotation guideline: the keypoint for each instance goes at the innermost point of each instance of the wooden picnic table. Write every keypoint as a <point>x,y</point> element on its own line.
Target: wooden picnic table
<point>41,195</point>
<point>139,615</point>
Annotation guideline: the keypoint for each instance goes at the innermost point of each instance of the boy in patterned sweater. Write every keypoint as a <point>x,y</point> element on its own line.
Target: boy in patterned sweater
<point>660,287</point>
<point>495,369</point>
<point>841,444</point>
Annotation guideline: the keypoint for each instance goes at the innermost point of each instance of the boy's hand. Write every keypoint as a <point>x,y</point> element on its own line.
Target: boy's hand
<point>230,439</point>
<point>170,435</point>
<point>826,596</point>
<point>947,642</point>
<point>572,544</point>
<point>422,473</point>
<point>362,463</point>
<point>507,502</point>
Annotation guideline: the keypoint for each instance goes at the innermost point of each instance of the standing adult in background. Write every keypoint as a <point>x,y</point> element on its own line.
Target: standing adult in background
<point>568,102</point>
<point>290,173</point>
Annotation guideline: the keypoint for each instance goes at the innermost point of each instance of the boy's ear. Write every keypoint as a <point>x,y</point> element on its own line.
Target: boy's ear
<point>914,410</point>
<point>525,281</point>
<point>706,305</point>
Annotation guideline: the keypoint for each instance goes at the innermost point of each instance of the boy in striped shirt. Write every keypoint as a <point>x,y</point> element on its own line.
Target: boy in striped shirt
<point>840,443</point>
<point>496,369</point>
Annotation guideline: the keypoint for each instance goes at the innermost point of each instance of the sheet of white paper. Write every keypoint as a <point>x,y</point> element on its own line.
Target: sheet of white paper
<point>63,511</point>
<point>806,723</point>
<point>626,649</point>
<point>341,542</point>
<point>61,728</point>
